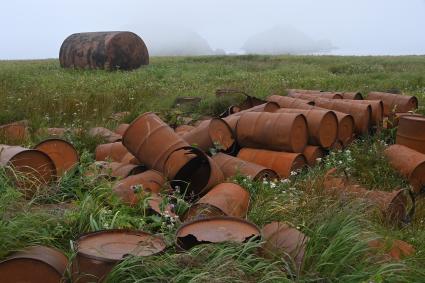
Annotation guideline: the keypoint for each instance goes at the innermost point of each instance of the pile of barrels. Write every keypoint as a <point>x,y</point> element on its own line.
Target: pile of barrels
<point>270,140</point>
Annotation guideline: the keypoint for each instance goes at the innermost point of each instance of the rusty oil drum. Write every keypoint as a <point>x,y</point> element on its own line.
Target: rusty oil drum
<point>116,151</point>
<point>151,141</point>
<point>232,166</point>
<point>284,241</point>
<point>290,102</point>
<point>210,133</point>
<point>322,125</point>
<point>192,171</point>
<point>230,198</point>
<point>409,163</point>
<point>411,132</point>
<point>362,113</point>
<point>127,189</point>
<point>392,101</point>
<point>215,230</point>
<point>104,50</point>
<point>98,252</point>
<point>274,131</point>
<point>37,264</point>
<point>312,154</point>
<point>35,168</point>
<point>283,163</point>
<point>301,94</point>
<point>63,154</point>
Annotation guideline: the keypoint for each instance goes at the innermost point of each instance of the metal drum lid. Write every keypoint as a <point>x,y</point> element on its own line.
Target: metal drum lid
<point>114,245</point>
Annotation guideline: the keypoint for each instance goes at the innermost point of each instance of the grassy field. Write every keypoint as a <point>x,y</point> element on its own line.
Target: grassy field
<point>48,96</point>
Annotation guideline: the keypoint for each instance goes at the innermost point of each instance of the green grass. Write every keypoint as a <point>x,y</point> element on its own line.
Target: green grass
<point>48,96</point>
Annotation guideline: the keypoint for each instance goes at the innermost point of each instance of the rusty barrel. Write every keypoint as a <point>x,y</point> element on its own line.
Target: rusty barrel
<point>14,133</point>
<point>283,163</point>
<point>34,167</point>
<point>128,189</point>
<point>352,95</point>
<point>392,205</point>
<point>120,170</point>
<point>232,166</point>
<point>151,141</point>
<point>361,113</point>
<point>63,154</point>
<point>120,130</point>
<point>114,50</point>
<point>394,102</point>
<point>215,230</point>
<point>36,264</point>
<point>183,129</point>
<point>192,171</point>
<point>290,102</point>
<point>377,110</point>
<point>312,154</point>
<point>345,127</point>
<point>210,133</point>
<point>409,163</point>
<point>411,132</point>
<point>281,240</point>
<point>274,131</point>
<point>322,125</point>
<point>115,151</point>
<point>104,133</point>
<point>230,198</point>
<point>265,107</point>
<point>303,95</point>
<point>98,252</point>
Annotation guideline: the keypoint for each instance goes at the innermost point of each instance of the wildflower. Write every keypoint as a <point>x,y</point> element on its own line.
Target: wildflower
<point>272,185</point>
<point>318,159</point>
<point>284,181</point>
<point>293,173</point>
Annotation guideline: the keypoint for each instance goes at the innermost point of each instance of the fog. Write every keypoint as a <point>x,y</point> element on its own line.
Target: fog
<point>36,29</point>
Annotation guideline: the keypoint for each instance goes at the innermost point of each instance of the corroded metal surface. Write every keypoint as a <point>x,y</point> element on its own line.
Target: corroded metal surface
<point>285,241</point>
<point>230,198</point>
<point>63,154</point>
<point>274,131</point>
<point>232,166</point>
<point>152,141</point>
<point>38,264</point>
<point>104,50</point>
<point>312,154</point>
<point>104,133</point>
<point>283,163</point>
<point>322,125</point>
<point>215,230</point>
<point>393,205</point>
<point>99,252</point>
<point>409,163</point>
<point>191,170</point>
<point>35,168</point>
<point>394,102</point>
<point>411,132</point>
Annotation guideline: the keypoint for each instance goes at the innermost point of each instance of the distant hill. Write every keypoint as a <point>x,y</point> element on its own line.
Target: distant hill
<point>284,40</point>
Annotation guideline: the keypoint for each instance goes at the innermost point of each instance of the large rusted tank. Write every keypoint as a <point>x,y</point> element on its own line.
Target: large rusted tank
<point>104,50</point>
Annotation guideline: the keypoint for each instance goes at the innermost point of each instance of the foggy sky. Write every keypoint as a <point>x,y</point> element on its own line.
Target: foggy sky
<point>36,29</point>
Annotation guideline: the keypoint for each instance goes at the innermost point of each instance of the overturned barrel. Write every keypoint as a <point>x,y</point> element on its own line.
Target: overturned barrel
<point>232,166</point>
<point>394,102</point>
<point>409,163</point>
<point>322,125</point>
<point>283,163</point>
<point>104,50</point>
<point>411,132</point>
<point>274,131</point>
<point>38,264</point>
